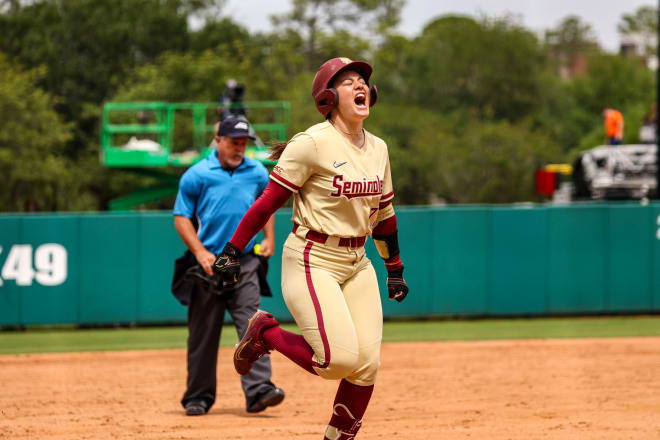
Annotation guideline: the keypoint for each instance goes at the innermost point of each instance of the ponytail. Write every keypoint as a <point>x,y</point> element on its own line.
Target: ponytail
<point>276,150</point>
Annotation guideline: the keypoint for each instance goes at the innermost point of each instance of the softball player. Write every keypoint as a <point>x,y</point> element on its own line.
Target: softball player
<point>339,175</point>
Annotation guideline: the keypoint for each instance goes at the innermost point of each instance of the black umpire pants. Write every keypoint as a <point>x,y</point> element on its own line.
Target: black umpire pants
<point>206,313</point>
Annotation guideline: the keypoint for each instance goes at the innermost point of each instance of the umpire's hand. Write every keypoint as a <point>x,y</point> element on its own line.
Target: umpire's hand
<point>227,264</point>
<point>205,259</point>
<point>267,248</point>
<point>396,286</point>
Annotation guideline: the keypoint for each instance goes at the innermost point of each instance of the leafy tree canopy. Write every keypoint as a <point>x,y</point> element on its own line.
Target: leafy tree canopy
<point>468,107</point>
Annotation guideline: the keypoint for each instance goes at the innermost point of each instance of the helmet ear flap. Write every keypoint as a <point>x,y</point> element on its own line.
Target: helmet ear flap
<point>326,100</point>
<point>373,96</point>
<point>335,99</point>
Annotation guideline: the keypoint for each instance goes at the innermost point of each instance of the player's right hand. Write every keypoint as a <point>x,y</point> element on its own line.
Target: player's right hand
<point>396,286</point>
<point>227,264</point>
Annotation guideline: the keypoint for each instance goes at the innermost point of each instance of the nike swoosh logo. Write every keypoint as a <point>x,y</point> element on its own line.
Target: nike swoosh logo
<point>337,165</point>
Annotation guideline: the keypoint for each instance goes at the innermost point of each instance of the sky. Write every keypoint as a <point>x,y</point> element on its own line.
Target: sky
<point>537,15</point>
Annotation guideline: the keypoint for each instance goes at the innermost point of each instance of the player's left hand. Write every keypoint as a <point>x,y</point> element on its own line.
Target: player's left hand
<point>227,264</point>
<point>396,286</point>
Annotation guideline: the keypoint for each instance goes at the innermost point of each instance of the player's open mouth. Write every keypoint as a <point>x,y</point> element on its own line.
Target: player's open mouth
<point>361,99</point>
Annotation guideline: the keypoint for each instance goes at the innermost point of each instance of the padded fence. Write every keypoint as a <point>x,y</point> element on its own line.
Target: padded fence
<point>104,268</point>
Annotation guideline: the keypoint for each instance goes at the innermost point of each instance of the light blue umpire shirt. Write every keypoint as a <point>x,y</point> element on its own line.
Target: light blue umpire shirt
<point>219,198</point>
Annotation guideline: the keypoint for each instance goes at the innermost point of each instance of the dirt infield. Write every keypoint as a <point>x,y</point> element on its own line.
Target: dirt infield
<point>534,389</point>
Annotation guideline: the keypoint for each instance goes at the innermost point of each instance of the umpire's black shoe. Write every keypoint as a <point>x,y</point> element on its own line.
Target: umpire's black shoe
<point>272,397</point>
<point>196,408</point>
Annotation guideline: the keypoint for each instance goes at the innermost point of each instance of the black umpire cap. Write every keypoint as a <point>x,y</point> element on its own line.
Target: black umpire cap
<point>235,128</point>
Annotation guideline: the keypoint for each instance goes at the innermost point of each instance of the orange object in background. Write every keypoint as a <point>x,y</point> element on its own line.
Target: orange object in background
<point>613,123</point>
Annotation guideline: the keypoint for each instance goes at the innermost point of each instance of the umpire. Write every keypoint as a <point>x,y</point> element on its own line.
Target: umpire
<point>213,196</point>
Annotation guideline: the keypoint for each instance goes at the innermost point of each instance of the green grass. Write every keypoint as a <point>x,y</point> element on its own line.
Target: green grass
<point>488,329</point>
<point>72,340</point>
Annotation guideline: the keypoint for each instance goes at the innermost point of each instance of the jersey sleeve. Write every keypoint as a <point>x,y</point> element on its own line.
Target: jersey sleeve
<point>297,162</point>
<point>186,198</point>
<point>388,189</point>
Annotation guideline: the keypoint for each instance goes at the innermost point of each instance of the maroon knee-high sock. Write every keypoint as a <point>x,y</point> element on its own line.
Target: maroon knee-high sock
<point>290,345</point>
<point>350,405</point>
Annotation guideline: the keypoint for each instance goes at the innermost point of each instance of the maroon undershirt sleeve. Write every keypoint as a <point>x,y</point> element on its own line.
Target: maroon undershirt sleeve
<point>386,227</point>
<point>272,199</point>
<point>389,227</point>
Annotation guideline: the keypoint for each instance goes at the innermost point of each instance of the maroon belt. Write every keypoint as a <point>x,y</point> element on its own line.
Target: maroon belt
<point>319,237</point>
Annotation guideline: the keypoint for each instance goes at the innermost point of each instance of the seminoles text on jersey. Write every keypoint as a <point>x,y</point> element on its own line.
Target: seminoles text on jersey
<point>356,188</point>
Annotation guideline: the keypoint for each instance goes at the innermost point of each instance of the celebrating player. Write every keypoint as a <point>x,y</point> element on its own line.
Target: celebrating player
<point>339,174</point>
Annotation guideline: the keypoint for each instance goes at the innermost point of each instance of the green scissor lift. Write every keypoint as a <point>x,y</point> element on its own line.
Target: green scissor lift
<point>120,120</point>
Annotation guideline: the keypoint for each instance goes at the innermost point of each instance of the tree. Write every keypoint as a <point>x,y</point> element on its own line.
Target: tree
<point>468,107</point>
<point>36,175</point>
<point>570,43</point>
<point>643,23</point>
<point>491,69</point>
<point>490,163</point>
<point>613,81</point>
<point>217,32</point>
<point>559,114</point>
<point>9,5</point>
<point>311,17</point>
<point>90,46</point>
<point>458,158</point>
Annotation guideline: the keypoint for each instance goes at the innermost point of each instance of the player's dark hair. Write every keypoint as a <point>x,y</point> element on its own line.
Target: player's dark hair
<point>277,149</point>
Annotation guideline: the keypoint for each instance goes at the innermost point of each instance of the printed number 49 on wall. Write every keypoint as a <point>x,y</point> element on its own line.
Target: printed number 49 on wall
<point>50,265</point>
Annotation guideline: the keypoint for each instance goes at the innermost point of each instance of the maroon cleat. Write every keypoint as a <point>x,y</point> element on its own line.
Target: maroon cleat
<point>252,345</point>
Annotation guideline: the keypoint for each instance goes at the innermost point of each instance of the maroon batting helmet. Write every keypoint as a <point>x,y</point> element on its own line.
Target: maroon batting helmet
<point>325,96</point>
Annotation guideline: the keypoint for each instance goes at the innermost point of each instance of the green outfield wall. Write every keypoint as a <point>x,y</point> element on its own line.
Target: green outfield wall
<point>106,268</point>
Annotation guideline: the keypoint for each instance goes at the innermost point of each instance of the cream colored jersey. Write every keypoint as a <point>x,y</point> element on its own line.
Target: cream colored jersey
<point>338,187</point>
